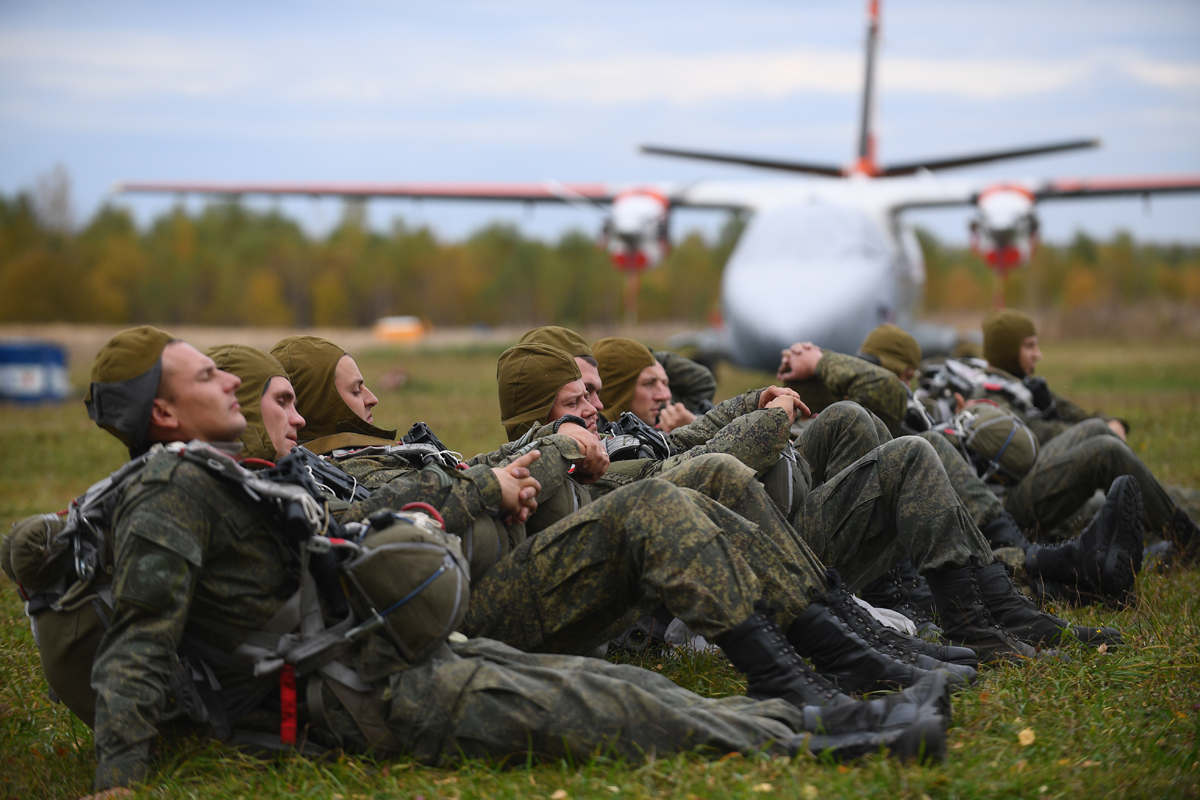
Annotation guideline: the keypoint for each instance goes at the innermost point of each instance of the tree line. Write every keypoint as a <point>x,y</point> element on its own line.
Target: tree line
<point>230,265</point>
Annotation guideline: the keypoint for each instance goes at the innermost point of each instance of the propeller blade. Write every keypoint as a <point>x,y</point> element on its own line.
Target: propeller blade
<point>750,161</point>
<point>980,158</point>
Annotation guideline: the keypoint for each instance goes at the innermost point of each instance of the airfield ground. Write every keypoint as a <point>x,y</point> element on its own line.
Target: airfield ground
<point>1123,724</point>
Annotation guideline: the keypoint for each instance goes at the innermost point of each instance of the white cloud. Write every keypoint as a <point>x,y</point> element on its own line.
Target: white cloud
<point>1161,73</point>
<point>372,71</point>
<point>100,66</point>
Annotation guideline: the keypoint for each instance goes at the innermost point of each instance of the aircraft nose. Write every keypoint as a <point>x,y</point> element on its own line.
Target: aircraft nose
<point>833,304</point>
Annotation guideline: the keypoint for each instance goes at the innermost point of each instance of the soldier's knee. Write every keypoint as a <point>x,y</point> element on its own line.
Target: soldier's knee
<point>1097,427</point>
<point>722,464</point>
<point>850,412</point>
<point>1111,449</point>
<point>912,449</point>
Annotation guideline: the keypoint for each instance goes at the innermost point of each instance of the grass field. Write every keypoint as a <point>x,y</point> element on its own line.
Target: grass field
<point>1122,724</point>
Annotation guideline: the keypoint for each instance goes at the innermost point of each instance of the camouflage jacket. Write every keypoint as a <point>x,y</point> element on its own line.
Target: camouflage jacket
<point>189,549</point>
<point>843,377</point>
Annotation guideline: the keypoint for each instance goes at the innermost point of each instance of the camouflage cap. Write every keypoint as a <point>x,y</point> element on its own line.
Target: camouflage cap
<point>564,339</point>
<point>125,378</point>
<point>620,362</point>
<point>256,369</point>
<point>895,348</point>
<point>311,362</point>
<point>1003,332</point>
<point>528,377</point>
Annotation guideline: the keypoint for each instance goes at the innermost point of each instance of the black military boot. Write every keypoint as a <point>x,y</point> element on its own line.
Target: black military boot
<point>923,740</point>
<point>1106,556</point>
<point>888,591</point>
<point>916,586</point>
<point>967,620</point>
<point>759,649</point>
<point>1004,532</point>
<point>1023,619</point>
<point>842,656</point>
<point>912,650</point>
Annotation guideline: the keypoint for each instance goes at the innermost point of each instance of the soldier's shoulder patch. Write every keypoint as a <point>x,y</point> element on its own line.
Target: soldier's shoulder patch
<point>154,577</point>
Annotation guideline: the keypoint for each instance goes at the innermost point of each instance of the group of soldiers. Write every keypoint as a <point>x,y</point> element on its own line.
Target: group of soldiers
<point>625,499</point>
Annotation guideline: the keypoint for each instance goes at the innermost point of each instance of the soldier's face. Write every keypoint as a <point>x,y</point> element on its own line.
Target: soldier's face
<point>195,399</point>
<point>352,388</point>
<point>1029,354</point>
<point>591,382</point>
<point>573,399</point>
<point>280,417</point>
<point>651,394</point>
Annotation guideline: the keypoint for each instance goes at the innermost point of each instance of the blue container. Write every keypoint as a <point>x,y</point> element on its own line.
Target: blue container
<point>32,371</point>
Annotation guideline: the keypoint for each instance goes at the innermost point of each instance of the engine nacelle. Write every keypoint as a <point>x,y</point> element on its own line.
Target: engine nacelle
<point>1005,231</point>
<point>636,232</point>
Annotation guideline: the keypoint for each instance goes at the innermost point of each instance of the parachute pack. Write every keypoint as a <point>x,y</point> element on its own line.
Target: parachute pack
<point>971,378</point>
<point>408,581</point>
<point>998,444</point>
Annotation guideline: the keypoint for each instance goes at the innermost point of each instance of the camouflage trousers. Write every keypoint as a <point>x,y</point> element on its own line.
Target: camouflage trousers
<point>1070,468</point>
<point>876,500</point>
<point>981,503</point>
<point>482,699</point>
<point>728,493</point>
<point>592,574</point>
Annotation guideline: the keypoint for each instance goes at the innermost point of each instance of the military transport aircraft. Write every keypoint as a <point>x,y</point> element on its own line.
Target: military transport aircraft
<point>822,260</point>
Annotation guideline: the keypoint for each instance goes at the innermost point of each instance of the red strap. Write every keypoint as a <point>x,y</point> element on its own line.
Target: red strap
<point>287,704</point>
<point>257,462</point>
<point>428,509</point>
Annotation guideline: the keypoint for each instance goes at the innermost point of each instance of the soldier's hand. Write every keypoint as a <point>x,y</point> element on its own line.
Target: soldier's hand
<point>674,416</point>
<point>771,392</point>
<point>594,463</point>
<point>791,405</point>
<point>518,489</point>
<point>1117,428</point>
<point>959,403</point>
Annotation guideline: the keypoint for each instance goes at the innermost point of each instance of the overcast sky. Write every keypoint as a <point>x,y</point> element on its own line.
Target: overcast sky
<point>533,90</point>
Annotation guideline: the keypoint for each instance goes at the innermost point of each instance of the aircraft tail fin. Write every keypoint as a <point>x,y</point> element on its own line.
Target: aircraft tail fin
<point>865,163</point>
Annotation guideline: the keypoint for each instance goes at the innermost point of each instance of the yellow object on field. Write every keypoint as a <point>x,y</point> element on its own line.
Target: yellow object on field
<point>400,329</point>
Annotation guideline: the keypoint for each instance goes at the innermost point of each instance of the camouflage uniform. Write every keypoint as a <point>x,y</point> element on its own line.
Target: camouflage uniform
<point>1071,467</point>
<point>868,511</point>
<point>886,397</point>
<point>868,501</point>
<point>843,377</point>
<point>193,552</point>
<point>590,575</point>
<point>526,600</point>
<point>981,502</point>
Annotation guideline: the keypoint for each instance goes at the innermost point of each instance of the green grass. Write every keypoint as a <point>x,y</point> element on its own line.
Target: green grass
<point>1122,724</point>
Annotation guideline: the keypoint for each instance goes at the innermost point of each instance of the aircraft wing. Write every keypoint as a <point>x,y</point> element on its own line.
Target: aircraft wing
<point>1114,187</point>
<point>941,194</point>
<point>545,192</point>
<point>597,194</point>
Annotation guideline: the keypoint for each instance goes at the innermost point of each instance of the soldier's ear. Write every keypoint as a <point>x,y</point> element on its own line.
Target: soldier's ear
<point>162,416</point>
